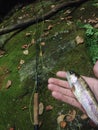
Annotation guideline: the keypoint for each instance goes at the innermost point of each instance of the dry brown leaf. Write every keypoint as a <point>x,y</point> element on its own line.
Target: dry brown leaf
<point>12,128</point>
<point>45,34</point>
<point>50,27</point>
<point>2,53</point>
<point>62,18</point>
<point>52,6</point>
<point>67,11</point>
<point>28,34</point>
<point>25,46</point>
<point>33,41</point>
<point>25,52</point>
<point>92,21</point>
<point>41,54</point>
<point>71,116</point>
<point>79,40</point>
<point>63,124</point>
<point>19,67</point>
<point>22,62</point>
<point>25,107</point>
<point>42,43</point>
<point>60,118</point>
<point>41,108</point>
<point>49,107</point>
<point>96,25</point>
<point>20,17</point>
<point>40,123</point>
<point>9,82</point>
<point>84,116</point>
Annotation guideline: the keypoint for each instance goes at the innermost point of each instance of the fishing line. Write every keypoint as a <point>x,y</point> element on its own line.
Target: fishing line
<point>36,86</point>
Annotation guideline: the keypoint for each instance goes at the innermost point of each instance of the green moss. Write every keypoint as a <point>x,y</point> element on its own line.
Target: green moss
<point>60,52</point>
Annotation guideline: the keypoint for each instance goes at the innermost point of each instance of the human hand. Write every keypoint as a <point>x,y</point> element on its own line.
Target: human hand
<point>61,89</point>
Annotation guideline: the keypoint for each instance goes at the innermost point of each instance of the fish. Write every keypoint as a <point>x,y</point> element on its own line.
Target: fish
<point>83,94</point>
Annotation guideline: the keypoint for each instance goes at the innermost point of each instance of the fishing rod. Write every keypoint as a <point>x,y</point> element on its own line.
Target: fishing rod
<point>36,93</point>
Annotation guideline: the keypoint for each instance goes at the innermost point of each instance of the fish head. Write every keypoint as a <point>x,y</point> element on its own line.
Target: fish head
<point>72,77</point>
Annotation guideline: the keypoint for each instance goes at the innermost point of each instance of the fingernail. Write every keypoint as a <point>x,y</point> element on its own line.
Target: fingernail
<point>50,80</point>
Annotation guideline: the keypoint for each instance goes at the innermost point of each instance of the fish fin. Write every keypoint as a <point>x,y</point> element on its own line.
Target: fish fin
<point>73,88</point>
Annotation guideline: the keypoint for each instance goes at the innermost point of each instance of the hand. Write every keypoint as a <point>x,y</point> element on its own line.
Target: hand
<point>61,90</point>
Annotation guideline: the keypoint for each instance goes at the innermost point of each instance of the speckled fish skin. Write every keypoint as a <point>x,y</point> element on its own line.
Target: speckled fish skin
<point>84,95</point>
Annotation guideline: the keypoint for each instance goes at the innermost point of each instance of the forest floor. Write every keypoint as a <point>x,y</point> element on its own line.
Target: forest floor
<point>61,47</point>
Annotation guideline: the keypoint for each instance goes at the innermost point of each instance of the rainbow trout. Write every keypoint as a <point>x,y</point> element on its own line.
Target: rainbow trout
<point>84,95</point>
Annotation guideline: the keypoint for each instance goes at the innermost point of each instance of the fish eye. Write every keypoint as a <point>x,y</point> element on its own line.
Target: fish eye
<point>71,72</point>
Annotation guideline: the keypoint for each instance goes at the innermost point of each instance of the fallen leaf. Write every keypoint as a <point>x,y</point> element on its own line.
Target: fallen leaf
<point>32,41</point>
<point>40,123</point>
<point>24,46</point>
<point>22,62</point>
<point>71,116</point>
<point>52,6</point>
<point>84,116</point>
<point>92,21</point>
<point>2,53</point>
<point>41,108</point>
<point>25,107</point>
<point>82,8</point>
<point>45,34</point>
<point>79,40</point>
<point>96,25</point>
<point>9,82</point>
<point>62,18</point>
<point>19,67</point>
<point>50,27</point>
<point>20,17</point>
<point>42,43</point>
<point>49,107</point>
<point>27,34</point>
<point>25,52</point>
<point>12,128</point>
<point>63,124</point>
<point>60,118</point>
<point>67,11</point>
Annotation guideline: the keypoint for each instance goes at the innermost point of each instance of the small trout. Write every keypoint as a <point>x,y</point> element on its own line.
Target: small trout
<point>84,95</point>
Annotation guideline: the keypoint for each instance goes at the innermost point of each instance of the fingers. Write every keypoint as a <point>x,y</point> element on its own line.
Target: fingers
<point>58,82</point>
<point>61,90</point>
<point>61,74</point>
<point>95,69</point>
<point>67,99</point>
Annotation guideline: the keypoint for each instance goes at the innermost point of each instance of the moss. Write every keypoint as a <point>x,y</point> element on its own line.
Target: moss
<point>60,52</point>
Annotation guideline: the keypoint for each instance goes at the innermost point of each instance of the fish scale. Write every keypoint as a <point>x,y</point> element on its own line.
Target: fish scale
<point>84,95</point>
